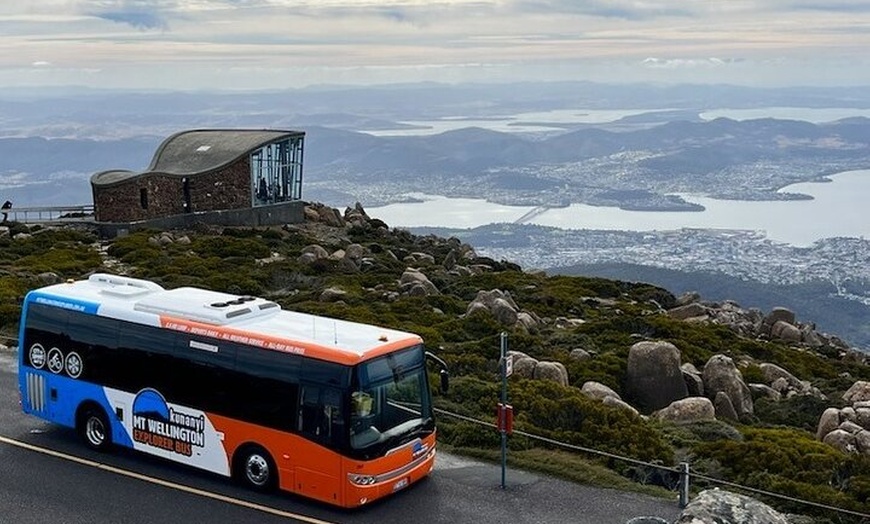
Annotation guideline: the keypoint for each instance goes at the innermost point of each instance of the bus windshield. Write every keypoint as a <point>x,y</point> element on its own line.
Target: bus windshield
<point>391,404</point>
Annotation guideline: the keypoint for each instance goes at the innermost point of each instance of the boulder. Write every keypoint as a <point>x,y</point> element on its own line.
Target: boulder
<point>354,251</point>
<point>412,277</point>
<point>332,294</point>
<point>554,371</point>
<point>723,507</point>
<point>720,374</point>
<point>687,298</point>
<point>318,251</point>
<point>828,422</point>
<point>780,313</point>
<point>785,331</point>
<point>687,410</point>
<point>527,320</point>
<point>525,367</point>
<point>859,392</point>
<point>850,427</point>
<point>842,440</point>
<point>764,391</point>
<point>503,312</point>
<point>724,408</point>
<point>862,441</point>
<point>772,372</point>
<point>693,380</point>
<point>579,354</point>
<point>688,311</point>
<point>597,390</point>
<point>653,375</point>
<point>614,402</point>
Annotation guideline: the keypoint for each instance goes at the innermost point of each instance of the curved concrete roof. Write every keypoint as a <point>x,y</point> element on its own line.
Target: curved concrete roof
<point>199,151</point>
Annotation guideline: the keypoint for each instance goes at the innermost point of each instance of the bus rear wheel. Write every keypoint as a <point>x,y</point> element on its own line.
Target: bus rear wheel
<point>93,427</point>
<point>255,469</point>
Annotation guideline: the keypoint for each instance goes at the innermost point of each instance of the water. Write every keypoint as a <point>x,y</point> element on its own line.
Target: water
<point>838,209</point>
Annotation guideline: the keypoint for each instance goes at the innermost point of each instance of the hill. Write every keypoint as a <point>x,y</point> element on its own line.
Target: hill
<point>586,351</point>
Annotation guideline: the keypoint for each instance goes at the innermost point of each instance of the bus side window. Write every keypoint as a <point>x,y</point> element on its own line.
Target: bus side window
<point>320,414</point>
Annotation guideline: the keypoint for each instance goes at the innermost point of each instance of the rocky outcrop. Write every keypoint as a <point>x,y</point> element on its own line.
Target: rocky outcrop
<point>415,283</point>
<point>525,366</point>
<point>501,305</point>
<point>653,376</point>
<point>721,375</point>
<point>780,324</point>
<point>723,507</point>
<point>848,429</point>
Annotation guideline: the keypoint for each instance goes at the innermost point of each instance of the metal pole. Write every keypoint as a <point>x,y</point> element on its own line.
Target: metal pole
<point>684,484</point>
<point>503,407</point>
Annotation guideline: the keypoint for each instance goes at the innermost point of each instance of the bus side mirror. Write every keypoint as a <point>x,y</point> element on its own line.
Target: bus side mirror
<point>445,381</point>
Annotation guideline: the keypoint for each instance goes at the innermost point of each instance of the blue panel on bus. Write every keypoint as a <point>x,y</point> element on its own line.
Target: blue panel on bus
<point>62,397</point>
<point>82,306</point>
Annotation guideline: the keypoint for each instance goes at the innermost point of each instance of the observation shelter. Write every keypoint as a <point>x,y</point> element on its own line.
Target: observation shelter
<point>213,176</point>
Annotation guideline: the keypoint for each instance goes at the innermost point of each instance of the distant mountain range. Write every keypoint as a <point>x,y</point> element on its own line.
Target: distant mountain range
<point>631,168</point>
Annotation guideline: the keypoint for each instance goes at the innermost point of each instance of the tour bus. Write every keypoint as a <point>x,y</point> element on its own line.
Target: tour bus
<point>329,409</point>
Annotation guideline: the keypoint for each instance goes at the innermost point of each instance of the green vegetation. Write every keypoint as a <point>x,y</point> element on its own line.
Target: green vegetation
<point>775,451</point>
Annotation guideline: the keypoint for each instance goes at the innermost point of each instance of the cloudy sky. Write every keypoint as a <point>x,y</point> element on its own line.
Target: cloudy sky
<point>245,44</point>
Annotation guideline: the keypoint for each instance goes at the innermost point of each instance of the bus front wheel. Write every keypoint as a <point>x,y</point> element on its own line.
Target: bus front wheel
<point>255,468</point>
<point>93,427</point>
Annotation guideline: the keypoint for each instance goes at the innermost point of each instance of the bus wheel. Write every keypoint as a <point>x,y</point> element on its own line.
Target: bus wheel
<point>93,427</point>
<point>256,469</point>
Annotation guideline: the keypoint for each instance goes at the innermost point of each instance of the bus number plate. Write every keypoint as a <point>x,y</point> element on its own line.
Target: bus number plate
<point>400,484</point>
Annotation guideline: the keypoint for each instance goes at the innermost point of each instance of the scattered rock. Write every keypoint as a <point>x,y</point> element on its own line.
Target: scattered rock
<point>554,371</point>
<point>687,410</point>
<point>716,506</point>
<point>653,376</point>
<point>720,374</point>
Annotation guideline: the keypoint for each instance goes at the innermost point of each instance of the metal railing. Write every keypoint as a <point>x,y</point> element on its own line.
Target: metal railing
<point>49,214</point>
<point>683,471</point>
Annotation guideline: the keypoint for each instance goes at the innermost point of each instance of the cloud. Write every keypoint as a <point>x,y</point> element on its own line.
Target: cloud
<point>41,63</point>
<point>141,14</point>
<point>856,6</point>
<point>688,63</point>
<point>620,9</point>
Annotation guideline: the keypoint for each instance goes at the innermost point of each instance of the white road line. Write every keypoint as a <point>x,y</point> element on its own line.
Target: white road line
<point>164,483</point>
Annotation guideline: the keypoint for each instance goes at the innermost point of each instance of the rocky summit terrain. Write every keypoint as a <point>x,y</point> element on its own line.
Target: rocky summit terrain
<point>743,395</point>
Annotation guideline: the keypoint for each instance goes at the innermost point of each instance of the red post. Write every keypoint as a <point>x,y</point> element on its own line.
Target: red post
<point>505,418</point>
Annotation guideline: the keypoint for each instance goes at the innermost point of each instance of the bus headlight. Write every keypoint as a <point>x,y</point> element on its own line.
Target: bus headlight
<point>362,480</point>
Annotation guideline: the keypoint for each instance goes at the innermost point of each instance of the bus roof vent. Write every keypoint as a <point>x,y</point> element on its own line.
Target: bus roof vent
<point>122,286</point>
<point>209,307</point>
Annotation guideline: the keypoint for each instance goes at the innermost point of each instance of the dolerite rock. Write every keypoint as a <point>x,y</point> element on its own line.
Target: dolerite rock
<point>720,374</point>
<point>716,506</point>
<point>332,294</point>
<point>318,251</point>
<point>598,390</point>
<point>860,391</point>
<point>614,402</point>
<point>688,311</point>
<point>693,380</point>
<point>413,277</point>
<point>785,331</point>
<point>829,421</point>
<point>724,408</point>
<point>579,354</point>
<point>653,376</point>
<point>503,312</point>
<point>525,367</point>
<point>687,410</point>
<point>554,371</point>
<point>842,440</point>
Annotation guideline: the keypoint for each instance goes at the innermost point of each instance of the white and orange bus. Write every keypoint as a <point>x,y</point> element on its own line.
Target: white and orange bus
<point>329,409</point>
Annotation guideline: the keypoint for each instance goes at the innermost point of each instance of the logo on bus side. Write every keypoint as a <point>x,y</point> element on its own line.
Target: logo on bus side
<point>157,425</point>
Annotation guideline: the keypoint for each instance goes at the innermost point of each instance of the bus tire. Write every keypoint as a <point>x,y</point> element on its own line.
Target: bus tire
<point>93,427</point>
<point>255,468</point>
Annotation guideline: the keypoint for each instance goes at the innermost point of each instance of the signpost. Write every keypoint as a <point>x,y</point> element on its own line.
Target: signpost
<point>506,369</point>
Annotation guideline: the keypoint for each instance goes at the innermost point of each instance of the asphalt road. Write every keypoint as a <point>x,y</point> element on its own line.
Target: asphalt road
<point>48,476</point>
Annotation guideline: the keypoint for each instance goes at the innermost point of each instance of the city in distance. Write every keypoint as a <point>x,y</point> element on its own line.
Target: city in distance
<point>764,185</point>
